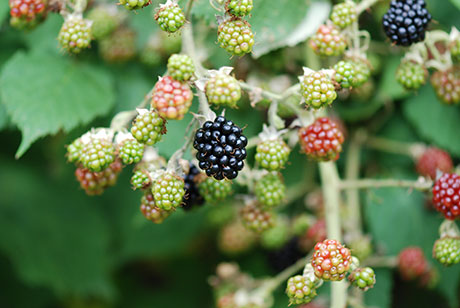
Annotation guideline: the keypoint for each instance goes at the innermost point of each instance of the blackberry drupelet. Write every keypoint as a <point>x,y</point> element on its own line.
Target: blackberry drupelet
<point>405,21</point>
<point>192,196</point>
<point>221,148</point>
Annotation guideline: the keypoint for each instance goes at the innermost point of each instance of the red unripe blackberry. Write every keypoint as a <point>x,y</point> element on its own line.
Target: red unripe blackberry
<point>27,13</point>
<point>192,195</point>
<point>300,290</point>
<point>447,85</point>
<point>118,47</point>
<point>255,218</point>
<point>331,260</point>
<point>151,211</point>
<point>446,195</point>
<point>406,21</point>
<point>322,140</point>
<point>94,183</point>
<point>434,159</point>
<point>221,148</point>
<point>75,34</point>
<point>171,98</point>
<point>328,41</point>
<point>412,263</point>
<point>235,36</point>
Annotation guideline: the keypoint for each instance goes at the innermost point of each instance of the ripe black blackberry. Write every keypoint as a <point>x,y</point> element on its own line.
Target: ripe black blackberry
<point>405,21</point>
<point>221,148</point>
<point>192,195</point>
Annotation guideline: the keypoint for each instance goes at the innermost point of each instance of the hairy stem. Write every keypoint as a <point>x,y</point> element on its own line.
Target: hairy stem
<point>352,195</point>
<point>421,184</point>
<point>413,150</point>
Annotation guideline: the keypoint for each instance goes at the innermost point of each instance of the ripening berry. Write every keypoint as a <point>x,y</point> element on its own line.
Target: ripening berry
<point>344,14</point>
<point>75,34</point>
<point>151,211</point>
<point>272,154</point>
<point>412,263</point>
<point>331,260</point>
<point>239,7</point>
<point>118,47</point>
<point>94,183</point>
<point>362,71</point>
<point>170,17</point>
<point>434,159</point>
<point>300,290</point>
<point>180,67</point>
<point>406,21</point>
<point>223,90</point>
<point>97,154</point>
<point>131,151</point>
<point>168,191</point>
<point>328,41</point>
<point>255,218</point>
<point>212,190</point>
<point>171,98</point>
<point>235,239</point>
<point>148,127</point>
<point>362,278</point>
<point>322,140</point>
<point>134,4</point>
<point>141,179</point>
<point>318,90</point>
<point>270,190</point>
<point>26,14</point>
<point>446,195</point>
<point>447,250</point>
<point>447,85</point>
<point>235,36</point>
<point>105,20</point>
<point>411,75</point>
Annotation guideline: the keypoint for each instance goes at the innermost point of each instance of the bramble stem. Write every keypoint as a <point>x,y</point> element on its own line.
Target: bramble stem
<point>421,184</point>
<point>352,195</point>
<point>413,150</point>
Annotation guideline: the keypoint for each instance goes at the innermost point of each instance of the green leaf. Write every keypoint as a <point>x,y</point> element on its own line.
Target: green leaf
<point>380,294</point>
<point>44,36</point>
<point>436,122</point>
<point>4,8</point>
<point>44,94</point>
<point>3,117</point>
<point>389,88</point>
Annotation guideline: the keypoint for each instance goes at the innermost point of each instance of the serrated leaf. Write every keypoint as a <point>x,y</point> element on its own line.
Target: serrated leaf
<point>44,94</point>
<point>436,122</point>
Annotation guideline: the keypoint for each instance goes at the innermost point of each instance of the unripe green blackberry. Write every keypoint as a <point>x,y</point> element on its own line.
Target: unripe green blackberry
<point>276,237</point>
<point>180,67</point>
<point>130,151</point>
<point>170,17</point>
<point>213,190</point>
<point>328,41</point>
<point>141,179</point>
<point>362,71</point>
<point>411,75</point>
<point>255,218</point>
<point>317,89</point>
<point>134,4</point>
<point>270,190</point>
<point>235,36</point>
<point>151,211</point>
<point>74,151</point>
<point>222,89</point>
<point>447,250</point>
<point>272,154</point>
<point>300,290</point>
<point>302,223</point>
<point>235,239</point>
<point>104,19</point>
<point>119,47</point>
<point>331,260</point>
<point>345,74</point>
<point>148,127</point>
<point>97,154</point>
<point>344,14</point>
<point>75,34</point>
<point>239,7</point>
<point>362,278</point>
<point>168,191</point>
<point>455,50</point>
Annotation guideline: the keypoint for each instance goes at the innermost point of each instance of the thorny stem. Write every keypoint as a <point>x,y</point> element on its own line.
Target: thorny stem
<point>421,184</point>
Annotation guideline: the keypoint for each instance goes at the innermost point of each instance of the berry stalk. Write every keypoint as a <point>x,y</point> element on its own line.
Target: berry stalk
<point>421,184</point>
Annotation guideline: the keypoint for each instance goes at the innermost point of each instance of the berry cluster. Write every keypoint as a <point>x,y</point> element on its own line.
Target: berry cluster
<point>223,90</point>
<point>75,34</point>
<point>317,89</point>
<point>331,260</point>
<point>26,14</point>
<point>171,98</point>
<point>406,21</point>
<point>221,148</point>
<point>300,290</point>
<point>322,140</point>
<point>170,17</point>
<point>446,195</point>
<point>447,250</point>
<point>272,154</point>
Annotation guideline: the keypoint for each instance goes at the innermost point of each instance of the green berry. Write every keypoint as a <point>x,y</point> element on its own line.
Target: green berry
<point>170,17</point>
<point>300,290</point>
<point>148,127</point>
<point>328,41</point>
<point>344,14</point>
<point>120,46</point>
<point>362,278</point>
<point>270,190</point>
<point>447,250</point>
<point>223,89</point>
<point>239,7</point>
<point>75,34</point>
<point>213,190</point>
<point>151,211</point>
<point>255,218</point>
<point>141,179</point>
<point>134,4</point>
<point>318,90</point>
<point>272,154</point>
<point>235,36</point>
<point>131,151</point>
<point>411,75</point>
<point>74,151</point>
<point>168,191</point>
<point>104,21</point>
<point>455,50</point>
<point>276,237</point>
<point>362,72</point>
<point>97,154</point>
<point>301,223</point>
<point>345,74</point>
<point>180,67</point>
